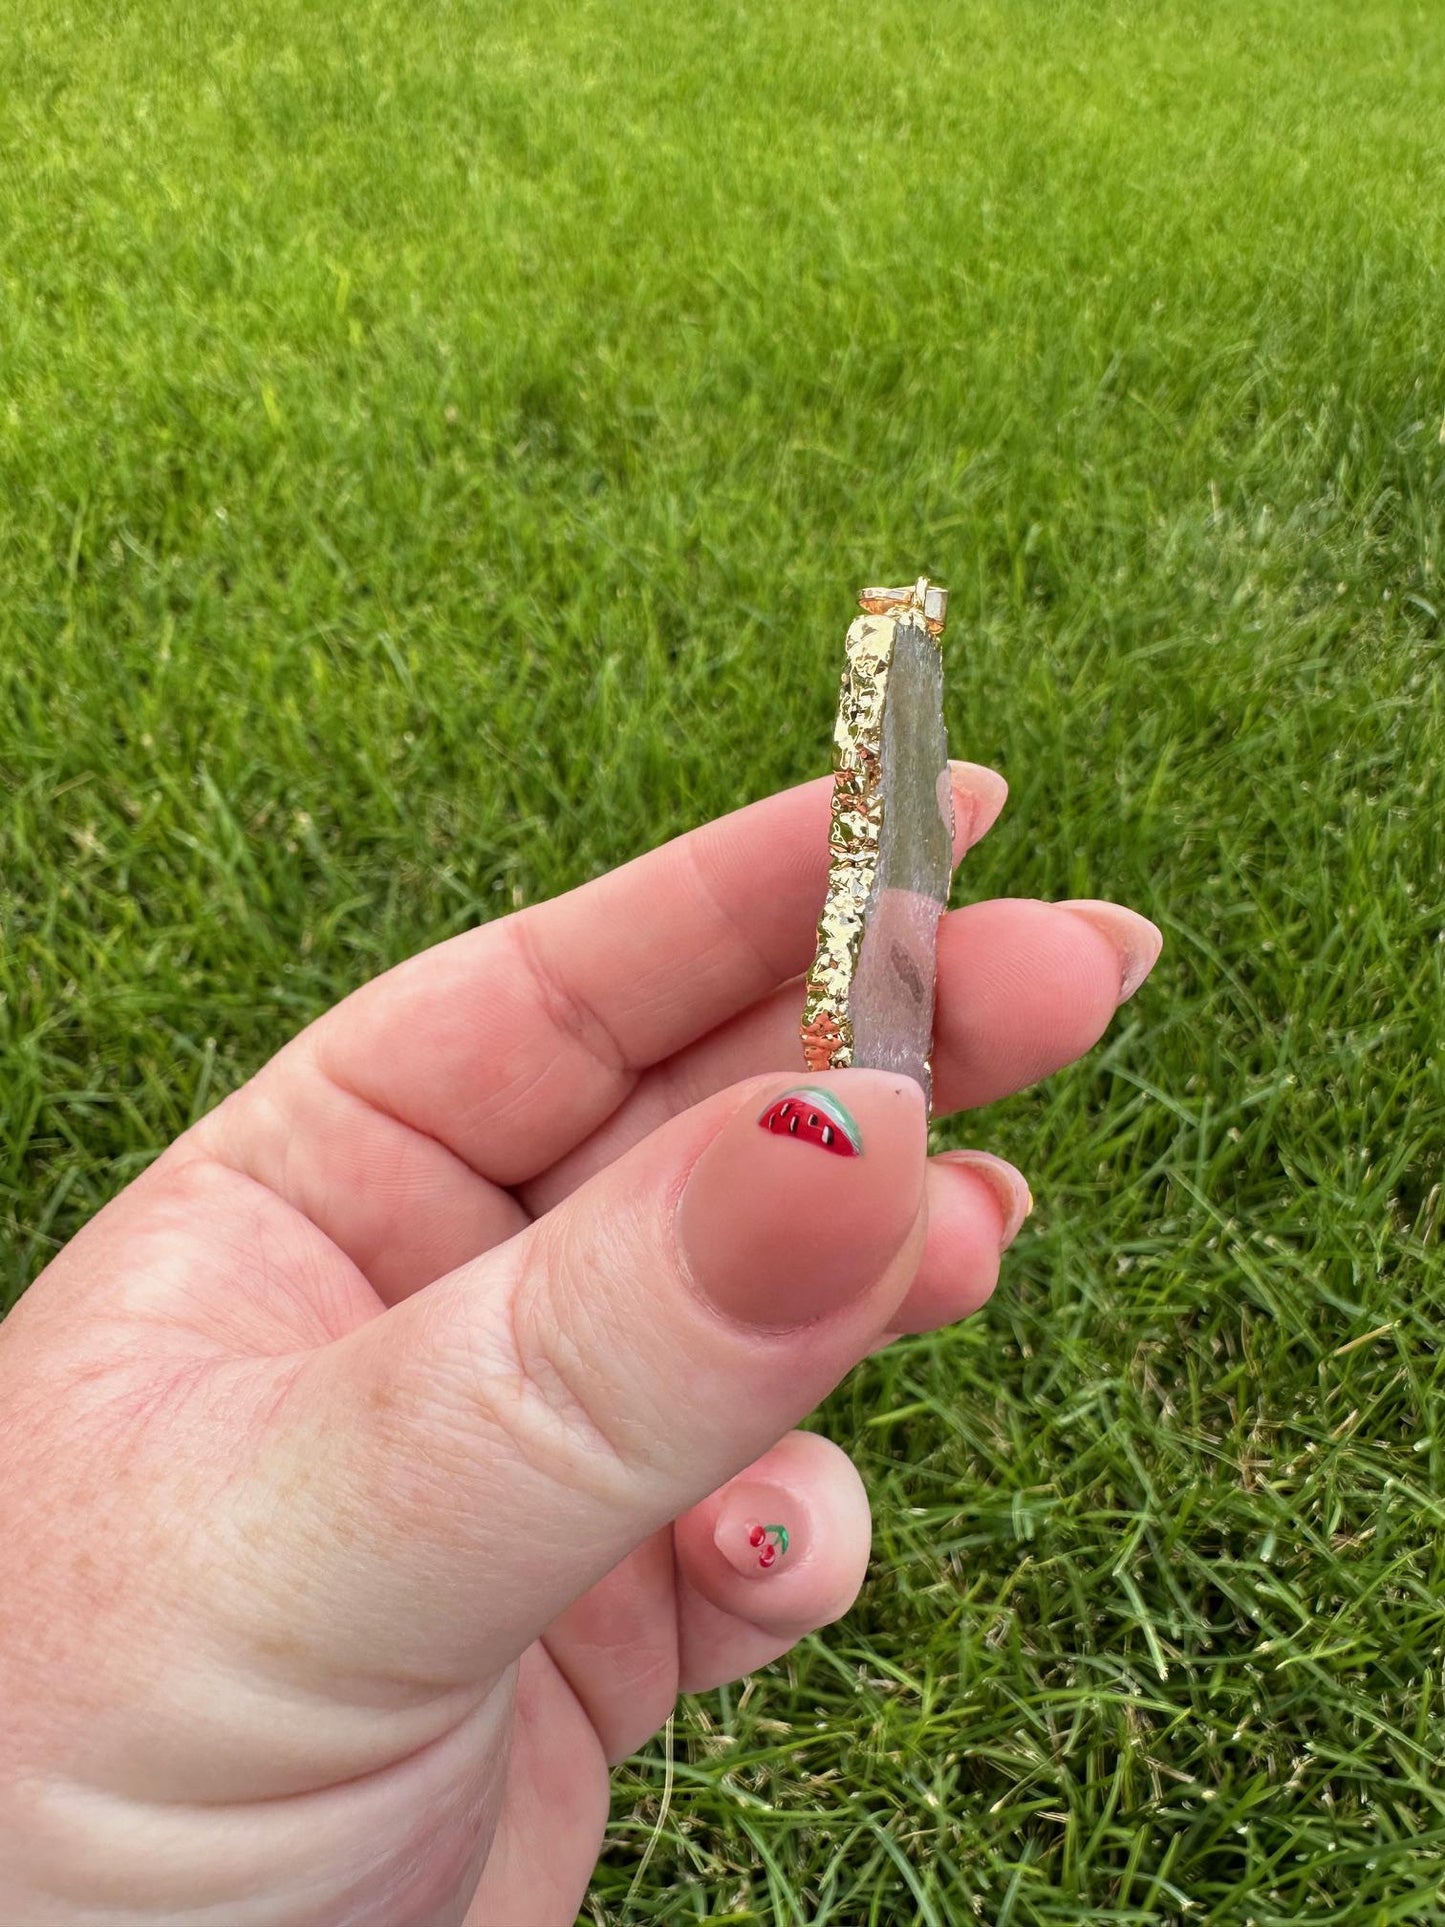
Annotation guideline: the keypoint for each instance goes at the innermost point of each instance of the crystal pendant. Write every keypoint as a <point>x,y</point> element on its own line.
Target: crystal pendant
<point>870,992</point>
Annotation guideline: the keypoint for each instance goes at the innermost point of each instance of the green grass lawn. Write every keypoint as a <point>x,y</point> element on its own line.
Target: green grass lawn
<point>438,446</point>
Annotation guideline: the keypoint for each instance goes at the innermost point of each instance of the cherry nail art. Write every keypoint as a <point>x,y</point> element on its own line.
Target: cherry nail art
<point>814,1116</point>
<point>769,1542</point>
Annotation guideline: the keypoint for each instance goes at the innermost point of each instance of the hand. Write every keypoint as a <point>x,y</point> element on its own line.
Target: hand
<point>384,1461</point>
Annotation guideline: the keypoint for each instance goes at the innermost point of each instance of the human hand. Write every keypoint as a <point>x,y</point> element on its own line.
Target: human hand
<point>380,1465</point>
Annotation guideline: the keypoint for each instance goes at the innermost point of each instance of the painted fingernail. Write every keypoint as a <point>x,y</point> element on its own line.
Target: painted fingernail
<point>1015,1200</point>
<point>751,1534</point>
<point>979,794</point>
<point>1136,941</point>
<point>767,1543</point>
<point>776,1238</point>
<point>814,1116</point>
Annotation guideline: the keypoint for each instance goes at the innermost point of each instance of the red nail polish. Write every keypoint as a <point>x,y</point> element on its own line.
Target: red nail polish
<point>814,1116</point>
<point>771,1542</point>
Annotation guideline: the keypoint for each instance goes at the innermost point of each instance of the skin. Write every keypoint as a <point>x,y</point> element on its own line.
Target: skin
<point>376,1463</point>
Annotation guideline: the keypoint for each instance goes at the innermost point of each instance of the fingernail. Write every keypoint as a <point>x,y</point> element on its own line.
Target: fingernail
<point>777,1227</point>
<point>754,1531</point>
<point>979,794</point>
<point>1136,940</point>
<point>1015,1200</point>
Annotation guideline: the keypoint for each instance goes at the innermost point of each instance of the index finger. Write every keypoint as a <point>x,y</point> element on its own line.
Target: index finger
<point>512,1042</point>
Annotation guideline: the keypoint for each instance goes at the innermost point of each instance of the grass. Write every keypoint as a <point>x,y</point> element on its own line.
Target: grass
<point>437,447</point>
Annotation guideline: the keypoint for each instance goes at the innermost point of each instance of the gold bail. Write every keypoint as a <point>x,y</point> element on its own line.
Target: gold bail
<point>930,601</point>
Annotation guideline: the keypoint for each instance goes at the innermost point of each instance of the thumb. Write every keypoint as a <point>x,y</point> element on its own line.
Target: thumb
<point>483,1452</point>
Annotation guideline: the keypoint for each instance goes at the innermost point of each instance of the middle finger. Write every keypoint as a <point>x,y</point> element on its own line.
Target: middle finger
<point>1024,988</point>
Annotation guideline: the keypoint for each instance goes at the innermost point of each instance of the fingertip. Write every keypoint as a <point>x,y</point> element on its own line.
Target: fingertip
<point>975,1204</point>
<point>786,1543</point>
<point>979,794</point>
<point>1003,1183</point>
<point>1135,941</point>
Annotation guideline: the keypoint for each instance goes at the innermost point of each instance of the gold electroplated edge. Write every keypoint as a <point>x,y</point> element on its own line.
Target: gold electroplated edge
<point>856,820</point>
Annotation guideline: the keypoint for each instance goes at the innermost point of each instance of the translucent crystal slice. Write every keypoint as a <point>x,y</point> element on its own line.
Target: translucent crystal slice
<point>890,999</point>
<point>869,995</point>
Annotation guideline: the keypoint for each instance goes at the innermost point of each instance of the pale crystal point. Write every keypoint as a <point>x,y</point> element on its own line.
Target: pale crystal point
<point>890,1002</point>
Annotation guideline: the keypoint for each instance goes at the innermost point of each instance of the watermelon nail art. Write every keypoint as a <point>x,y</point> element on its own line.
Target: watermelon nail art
<point>769,1542</point>
<point>814,1116</point>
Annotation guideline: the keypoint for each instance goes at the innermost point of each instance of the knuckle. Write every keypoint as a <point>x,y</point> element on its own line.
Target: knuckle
<point>572,1019</point>
<point>551,1386</point>
<point>542,1376</point>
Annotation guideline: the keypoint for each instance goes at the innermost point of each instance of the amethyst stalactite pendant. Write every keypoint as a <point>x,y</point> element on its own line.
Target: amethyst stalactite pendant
<point>869,998</point>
